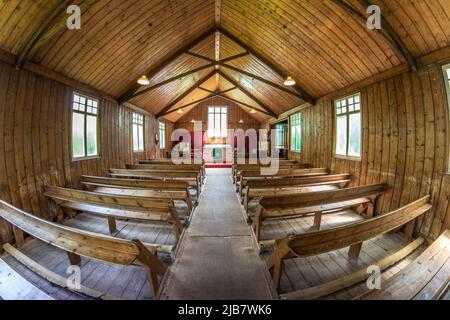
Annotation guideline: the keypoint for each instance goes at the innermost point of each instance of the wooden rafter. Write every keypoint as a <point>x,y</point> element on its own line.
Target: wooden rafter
<point>167,81</point>
<point>270,83</point>
<point>189,104</point>
<point>248,94</point>
<point>221,92</point>
<point>244,104</point>
<point>60,25</point>
<point>199,56</point>
<point>134,87</point>
<point>40,31</point>
<point>387,31</point>
<point>305,96</point>
<point>186,93</point>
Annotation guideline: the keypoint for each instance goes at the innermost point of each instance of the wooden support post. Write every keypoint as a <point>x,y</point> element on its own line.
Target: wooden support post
<point>74,259</point>
<point>409,229</point>
<point>370,209</point>
<point>60,216</point>
<point>112,225</point>
<point>246,198</point>
<point>257,221</point>
<point>354,250</point>
<point>317,221</point>
<point>154,266</point>
<point>19,237</point>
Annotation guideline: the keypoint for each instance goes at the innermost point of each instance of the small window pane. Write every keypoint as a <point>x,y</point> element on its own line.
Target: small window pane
<point>91,139</point>
<point>135,138</point>
<point>78,135</point>
<point>141,138</point>
<point>341,135</point>
<point>354,148</point>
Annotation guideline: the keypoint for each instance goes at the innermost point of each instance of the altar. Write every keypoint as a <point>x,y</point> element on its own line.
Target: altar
<point>218,153</point>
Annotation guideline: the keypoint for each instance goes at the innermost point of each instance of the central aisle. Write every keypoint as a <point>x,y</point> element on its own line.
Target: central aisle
<point>218,257</point>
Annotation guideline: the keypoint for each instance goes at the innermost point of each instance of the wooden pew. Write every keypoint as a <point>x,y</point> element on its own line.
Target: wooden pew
<point>279,187</point>
<point>426,278</point>
<point>192,177</point>
<point>318,203</point>
<point>351,235</point>
<point>177,190</point>
<point>78,243</point>
<point>116,207</point>
<point>169,167</point>
<point>245,176</point>
<point>290,164</point>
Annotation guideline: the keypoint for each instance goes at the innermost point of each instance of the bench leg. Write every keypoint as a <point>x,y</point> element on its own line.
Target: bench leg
<point>317,221</point>
<point>74,259</point>
<point>354,250</point>
<point>112,225</point>
<point>152,278</point>
<point>18,235</point>
<point>409,229</point>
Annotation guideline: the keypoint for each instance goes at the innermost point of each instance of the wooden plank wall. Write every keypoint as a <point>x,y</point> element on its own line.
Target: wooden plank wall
<point>35,141</point>
<point>235,113</point>
<point>405,141</point>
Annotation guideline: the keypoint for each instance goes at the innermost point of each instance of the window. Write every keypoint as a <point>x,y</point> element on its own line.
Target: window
<point>84,127</point>
<point>138,132</point>
<point>296,132</point>
<point>162,135</point>
<point>280,136</point>
<point>348,126</point>
<point>446,70</point>
<point>217,122</point>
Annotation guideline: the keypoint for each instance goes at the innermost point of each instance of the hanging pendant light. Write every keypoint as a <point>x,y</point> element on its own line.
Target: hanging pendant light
<point>289,81</point>
<point>143,81</point>
<point>252,110</point>
<point>241,121</point>
<point>180,111</point>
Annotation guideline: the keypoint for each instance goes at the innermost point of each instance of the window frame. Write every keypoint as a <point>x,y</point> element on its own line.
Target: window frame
<point>299,114</point>
<point>85,114</point>
<point>446,76</point>
<point>348,113</point>
<point>280,128</point>
<point>214,127</point>
<point>162,137</point>
<point>136,119</point>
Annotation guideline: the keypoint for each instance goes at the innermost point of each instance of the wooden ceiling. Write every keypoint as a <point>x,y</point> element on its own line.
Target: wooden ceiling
<point>320,43</point>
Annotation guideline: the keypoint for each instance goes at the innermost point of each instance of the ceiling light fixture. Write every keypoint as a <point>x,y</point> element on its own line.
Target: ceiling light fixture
<point>180,111</point>
<point>289,82</point>
<point>143,81</point>
<point>241,121</point>
<point>252,110</point>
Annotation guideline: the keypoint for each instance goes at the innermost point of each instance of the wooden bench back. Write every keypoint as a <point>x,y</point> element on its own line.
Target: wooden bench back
<point>345,236</point>
<point>135,183</point>
<point>351,235</point>
<point>90,245</point>
<point>322,197</point>
<point>154,173</point>
<point>293,172</point>
<point>78,243</point>
<point>257,167</point>
<point>165,167</point>
<point>291,182</point>
<point>72,195</point>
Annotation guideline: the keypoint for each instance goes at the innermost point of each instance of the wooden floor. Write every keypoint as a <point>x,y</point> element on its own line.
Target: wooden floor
<point>218,256</point>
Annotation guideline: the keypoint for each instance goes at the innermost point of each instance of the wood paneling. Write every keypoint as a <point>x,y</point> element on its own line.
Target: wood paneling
<point>405,144</point>
<point>235,113</point>
<point>35,141</point>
